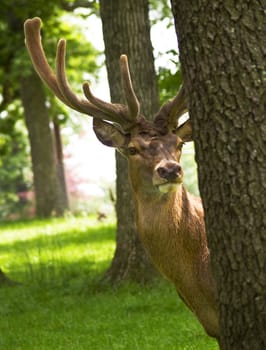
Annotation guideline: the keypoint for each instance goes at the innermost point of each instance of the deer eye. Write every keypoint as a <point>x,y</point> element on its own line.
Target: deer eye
<point>132,151</point>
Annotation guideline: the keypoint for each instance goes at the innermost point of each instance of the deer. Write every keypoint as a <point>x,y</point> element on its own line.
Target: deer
<point>170,220</point>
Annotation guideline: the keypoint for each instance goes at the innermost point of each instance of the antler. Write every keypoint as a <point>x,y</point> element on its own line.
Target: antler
<point>172,110</point>
<point>132,101</point>
<point>123,115</point>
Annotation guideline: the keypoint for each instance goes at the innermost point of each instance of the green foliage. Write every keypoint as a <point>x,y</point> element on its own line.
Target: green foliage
<point>60,305</point>
<point>12,16</point>
<point>14,164</point>
<point>161,11</point>
<point>169,77</point>
<point>169,80</point>
<point>14,59</point>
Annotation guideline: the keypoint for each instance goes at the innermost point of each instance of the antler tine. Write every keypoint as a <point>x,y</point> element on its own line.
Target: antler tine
<point>172,110</point>
<point>178,106</point>
<point>115,110</point>
<point>33,43</point>
<point>104,110</point>
<point>132,101</point>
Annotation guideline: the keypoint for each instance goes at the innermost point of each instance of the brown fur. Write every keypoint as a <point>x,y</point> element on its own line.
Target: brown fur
<point>171,227</point>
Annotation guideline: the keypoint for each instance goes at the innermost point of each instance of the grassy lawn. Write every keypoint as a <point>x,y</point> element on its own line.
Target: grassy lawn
<point>60,304</point>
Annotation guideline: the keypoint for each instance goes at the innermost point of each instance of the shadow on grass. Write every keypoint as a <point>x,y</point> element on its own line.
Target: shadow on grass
<point>51,252</point>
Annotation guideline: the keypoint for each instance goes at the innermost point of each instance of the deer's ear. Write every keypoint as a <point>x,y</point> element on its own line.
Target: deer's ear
<point>184,131</point>
<point>108,134</point>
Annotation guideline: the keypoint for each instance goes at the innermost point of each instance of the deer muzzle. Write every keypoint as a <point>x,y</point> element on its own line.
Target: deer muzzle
<point>167,176</point>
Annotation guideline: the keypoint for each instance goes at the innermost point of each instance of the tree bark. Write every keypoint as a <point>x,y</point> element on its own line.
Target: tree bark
<point>222,53</point>
<point>46,183</point>
<point>62,191</point>
<point>126,30</point>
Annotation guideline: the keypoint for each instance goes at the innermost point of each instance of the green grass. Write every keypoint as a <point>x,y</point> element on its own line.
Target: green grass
<point>60,305</point>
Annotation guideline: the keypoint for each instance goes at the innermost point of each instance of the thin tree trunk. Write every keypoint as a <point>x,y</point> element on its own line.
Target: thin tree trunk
<point>222,52</point>
<point>126,30</point>
<point>62,191</point>
<point>46,183</point>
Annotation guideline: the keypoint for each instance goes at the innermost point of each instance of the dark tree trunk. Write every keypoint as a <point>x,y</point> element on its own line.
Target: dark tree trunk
<point>222,52</point>
<point>62,191</point>
<point>46,184</point>
<point>126,30</point>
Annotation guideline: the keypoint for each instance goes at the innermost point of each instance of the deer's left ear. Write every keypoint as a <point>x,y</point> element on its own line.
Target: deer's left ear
<point>108,134</point>
<point>184,131</point>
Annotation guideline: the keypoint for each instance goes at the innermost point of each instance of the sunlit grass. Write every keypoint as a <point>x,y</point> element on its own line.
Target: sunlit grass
<point>50,247</point>
<point>61,305</point>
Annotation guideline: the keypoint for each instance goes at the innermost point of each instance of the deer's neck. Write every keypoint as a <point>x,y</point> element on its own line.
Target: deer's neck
<point>171,228</point>
<point>175,210</point>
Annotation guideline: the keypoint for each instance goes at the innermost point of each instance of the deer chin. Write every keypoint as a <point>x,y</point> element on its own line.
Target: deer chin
<point>169,187</point>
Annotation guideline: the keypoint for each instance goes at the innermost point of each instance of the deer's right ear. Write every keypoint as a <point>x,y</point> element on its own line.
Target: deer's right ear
<point>108,134</point>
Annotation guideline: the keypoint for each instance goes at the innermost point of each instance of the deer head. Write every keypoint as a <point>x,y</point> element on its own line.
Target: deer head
<point>153,148</point>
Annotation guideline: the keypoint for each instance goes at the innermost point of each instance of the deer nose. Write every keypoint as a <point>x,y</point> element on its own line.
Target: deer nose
<point>170,171</point>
